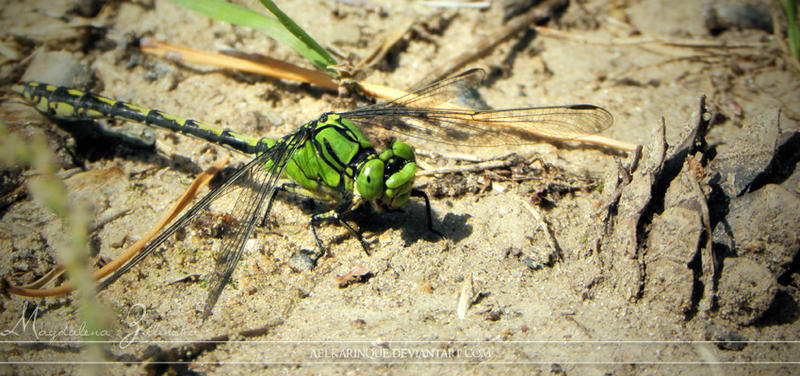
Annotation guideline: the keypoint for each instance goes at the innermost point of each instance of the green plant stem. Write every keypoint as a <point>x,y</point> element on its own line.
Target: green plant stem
<point>300,34</point>
<point>793,32</point>
<point>284,31</point>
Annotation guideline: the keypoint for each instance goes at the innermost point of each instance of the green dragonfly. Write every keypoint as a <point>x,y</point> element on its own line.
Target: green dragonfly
<point>329,158</point>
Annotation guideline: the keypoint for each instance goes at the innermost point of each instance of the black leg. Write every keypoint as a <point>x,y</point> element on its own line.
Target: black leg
<point>281,188</point>
<point>335,215</point>
<point>355,233</point>
<point>420,193</point>
<point>313,224</point>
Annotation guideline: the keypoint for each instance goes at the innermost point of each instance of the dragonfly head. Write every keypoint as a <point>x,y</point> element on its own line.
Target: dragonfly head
<point>389,177</point>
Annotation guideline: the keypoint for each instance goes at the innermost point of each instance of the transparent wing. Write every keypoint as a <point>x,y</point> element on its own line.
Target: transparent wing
<point>260,182</point>
<point>181,222</point>
<point>412,116</point>
<point>440,91</point>
<point>251,205</point>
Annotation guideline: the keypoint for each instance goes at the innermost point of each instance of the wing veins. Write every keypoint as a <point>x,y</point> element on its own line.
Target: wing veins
<point>175,226</point>
<point>502,127</point>
<point>251,204</point>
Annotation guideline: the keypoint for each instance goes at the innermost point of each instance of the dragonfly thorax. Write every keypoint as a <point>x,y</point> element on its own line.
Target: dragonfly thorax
<point>336,162</point>
<point>388,177</point>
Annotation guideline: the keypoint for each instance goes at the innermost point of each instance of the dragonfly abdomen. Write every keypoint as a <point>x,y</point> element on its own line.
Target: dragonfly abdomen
<point>70,104</point>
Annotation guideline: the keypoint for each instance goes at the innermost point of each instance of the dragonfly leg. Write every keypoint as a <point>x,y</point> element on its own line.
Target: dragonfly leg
<point>304,192</point>
<point>285,187</point>
<point>312,224</point>
<point>420,193</point>
<point>335,215</point>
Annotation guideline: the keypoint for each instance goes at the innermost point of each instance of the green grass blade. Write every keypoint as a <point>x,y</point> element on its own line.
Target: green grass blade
<point>238,15</point>
<point>793,32</point>
<point>300,34</point>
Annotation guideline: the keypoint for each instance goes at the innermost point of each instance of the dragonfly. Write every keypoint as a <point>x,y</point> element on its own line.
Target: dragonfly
<point>329,158</point>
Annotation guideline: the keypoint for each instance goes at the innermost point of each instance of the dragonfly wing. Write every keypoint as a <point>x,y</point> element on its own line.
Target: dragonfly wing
<point>489,128</point>
<point>261,175</point>
<point>440,91</point>
<point>175,226</point>
<point>249,207</point>
<point>416,115</point>
<point>565,122</point>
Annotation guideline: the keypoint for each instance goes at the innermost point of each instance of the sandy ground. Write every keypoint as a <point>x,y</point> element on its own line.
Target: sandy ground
<point>566,261</point>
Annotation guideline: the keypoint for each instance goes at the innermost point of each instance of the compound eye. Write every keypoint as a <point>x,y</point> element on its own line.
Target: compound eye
<point>370,181</point>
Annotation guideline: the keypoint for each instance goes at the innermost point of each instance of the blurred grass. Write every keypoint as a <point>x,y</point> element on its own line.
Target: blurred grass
<point>51,193</point>
<point>793,32</point>
<point>284,30</point>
